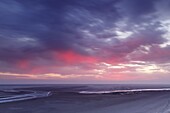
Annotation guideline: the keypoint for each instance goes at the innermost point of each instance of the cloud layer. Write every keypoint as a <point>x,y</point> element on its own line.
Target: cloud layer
<point>100,40</point>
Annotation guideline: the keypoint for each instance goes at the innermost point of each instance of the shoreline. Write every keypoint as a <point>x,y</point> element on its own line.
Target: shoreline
<point>69,100</point>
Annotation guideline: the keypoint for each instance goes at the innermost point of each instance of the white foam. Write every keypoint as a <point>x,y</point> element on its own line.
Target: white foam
<point>123,91</point>
<point>25,97</point>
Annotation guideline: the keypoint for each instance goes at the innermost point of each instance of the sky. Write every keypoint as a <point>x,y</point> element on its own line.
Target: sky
<point>84,41</point>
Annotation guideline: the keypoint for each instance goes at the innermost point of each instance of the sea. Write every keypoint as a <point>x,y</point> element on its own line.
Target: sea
<point>23,92</point>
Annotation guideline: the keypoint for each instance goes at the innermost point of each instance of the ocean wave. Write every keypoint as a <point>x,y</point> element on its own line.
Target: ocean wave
<point>22,97</point>
<point>123,91</point>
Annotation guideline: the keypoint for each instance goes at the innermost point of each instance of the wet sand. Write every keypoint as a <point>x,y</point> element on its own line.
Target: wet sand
<point>69,102</point>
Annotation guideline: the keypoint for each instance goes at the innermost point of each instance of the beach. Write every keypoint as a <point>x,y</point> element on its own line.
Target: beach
<point>62,101</point>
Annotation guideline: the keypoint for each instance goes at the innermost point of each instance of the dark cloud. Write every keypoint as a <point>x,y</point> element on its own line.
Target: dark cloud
<point>55,24</point>
<point>136,10</point>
